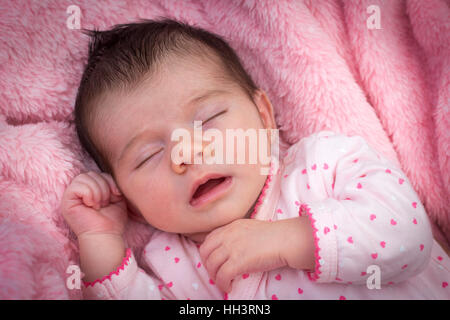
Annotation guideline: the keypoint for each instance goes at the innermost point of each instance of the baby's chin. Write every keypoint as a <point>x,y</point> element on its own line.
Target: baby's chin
<point>199,237</point>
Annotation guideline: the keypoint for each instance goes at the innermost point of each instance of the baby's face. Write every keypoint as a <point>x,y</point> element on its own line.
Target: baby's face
<point>161,190</point>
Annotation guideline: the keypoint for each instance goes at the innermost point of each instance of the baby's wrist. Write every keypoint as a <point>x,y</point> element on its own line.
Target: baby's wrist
<point>298,243</point>
<point>94,236</point>
<point>100,254</point>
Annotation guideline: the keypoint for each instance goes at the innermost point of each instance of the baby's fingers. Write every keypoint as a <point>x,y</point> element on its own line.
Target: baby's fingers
<point>225,276</point>
<point>215,260</point>
<point>212,241</point>
<point>84,192</point>
<point>112,185</point>
<point>103,186</point>
<point>94,197</point>
<point>116,195</point>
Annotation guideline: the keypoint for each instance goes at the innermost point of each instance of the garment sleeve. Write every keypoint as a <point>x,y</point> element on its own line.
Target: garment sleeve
<point>128,282</point>
<point>363,210</point>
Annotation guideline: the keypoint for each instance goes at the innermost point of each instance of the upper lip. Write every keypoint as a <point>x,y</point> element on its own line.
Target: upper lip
<point>204,179</point>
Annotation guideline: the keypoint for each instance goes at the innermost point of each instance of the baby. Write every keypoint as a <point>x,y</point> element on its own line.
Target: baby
<point>331,220</point>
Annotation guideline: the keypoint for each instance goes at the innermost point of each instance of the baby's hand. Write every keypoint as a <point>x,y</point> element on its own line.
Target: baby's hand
<point>248,245</point>
<point>92,204</point>
<point>241,247</point>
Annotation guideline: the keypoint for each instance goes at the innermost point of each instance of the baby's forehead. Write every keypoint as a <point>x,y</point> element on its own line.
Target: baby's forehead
<point>176,81</point>
<point>179,84</point>
<point>208,67</point>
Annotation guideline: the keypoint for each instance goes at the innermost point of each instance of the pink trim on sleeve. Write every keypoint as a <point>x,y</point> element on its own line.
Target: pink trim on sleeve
<point>304,209</point>
<point>116,272</point>
<point>263,192</point>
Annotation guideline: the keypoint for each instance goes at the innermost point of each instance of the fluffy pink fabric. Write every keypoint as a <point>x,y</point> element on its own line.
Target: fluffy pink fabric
<point>317,60</point>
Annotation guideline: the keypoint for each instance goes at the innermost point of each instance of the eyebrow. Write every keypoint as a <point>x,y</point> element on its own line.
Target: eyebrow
<point>197,99</point>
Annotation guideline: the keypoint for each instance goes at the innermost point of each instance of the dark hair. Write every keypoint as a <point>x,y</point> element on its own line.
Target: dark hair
<point>124,55</point>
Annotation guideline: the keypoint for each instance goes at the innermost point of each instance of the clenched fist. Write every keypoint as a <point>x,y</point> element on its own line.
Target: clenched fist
<point>92,204</point>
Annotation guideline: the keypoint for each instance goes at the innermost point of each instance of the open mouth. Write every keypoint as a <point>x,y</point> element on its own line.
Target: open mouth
<point>210,190</point>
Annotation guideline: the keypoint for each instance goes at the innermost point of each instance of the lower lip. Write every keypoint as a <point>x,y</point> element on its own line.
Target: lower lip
<point>213,194</point>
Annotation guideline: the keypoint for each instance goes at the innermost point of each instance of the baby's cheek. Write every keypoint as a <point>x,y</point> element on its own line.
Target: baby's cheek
<point>158,206</point>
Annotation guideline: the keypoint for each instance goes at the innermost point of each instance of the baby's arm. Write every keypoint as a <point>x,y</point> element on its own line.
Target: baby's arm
<point>127,282</point>
<point>362,208</point>
<point>97,213</point>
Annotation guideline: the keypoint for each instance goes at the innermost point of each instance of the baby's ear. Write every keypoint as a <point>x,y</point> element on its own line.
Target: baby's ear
<point>265,109</point>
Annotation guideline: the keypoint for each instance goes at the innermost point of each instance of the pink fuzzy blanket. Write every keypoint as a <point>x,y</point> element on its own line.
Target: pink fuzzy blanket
<point>380,72</point>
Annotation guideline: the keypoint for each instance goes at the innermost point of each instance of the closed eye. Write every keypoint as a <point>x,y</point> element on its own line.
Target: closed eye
<point>146,159</point>
<point>216,115</point>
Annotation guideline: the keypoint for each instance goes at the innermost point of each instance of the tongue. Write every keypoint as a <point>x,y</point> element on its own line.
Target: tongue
<point>207,186</point>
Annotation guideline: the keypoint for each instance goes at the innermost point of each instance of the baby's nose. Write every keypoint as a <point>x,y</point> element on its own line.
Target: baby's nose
<point>186,154</point>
